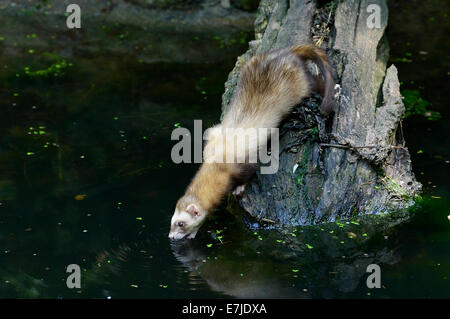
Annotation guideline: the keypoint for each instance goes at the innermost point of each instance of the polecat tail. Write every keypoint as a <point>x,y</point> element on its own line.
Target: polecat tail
<point>318,56</point>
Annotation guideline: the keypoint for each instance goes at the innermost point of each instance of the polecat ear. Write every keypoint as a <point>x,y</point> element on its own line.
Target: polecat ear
<point>193,210</point>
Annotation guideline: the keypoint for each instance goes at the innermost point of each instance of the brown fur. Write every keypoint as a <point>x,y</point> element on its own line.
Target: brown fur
<point>318,56</point>
<point>211,183</point>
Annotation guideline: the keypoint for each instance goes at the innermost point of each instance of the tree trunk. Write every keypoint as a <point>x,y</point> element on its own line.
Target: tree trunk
<point>355,163</point>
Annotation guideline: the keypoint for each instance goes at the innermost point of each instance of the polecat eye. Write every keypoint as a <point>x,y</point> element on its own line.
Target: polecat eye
<point>180,224</point>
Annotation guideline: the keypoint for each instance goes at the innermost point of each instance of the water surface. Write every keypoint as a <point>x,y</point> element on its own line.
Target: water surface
<point>86,178</point>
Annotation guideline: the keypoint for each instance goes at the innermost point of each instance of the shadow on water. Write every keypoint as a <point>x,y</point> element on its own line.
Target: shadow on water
<point>86,178</point>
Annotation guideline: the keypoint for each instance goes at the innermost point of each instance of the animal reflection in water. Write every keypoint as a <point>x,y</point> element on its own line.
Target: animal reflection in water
<point>330,270</point>
<point>225,276</point>
<point>222,275</point>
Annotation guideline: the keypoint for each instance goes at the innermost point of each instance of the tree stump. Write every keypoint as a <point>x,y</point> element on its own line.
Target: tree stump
<point>355,162</point>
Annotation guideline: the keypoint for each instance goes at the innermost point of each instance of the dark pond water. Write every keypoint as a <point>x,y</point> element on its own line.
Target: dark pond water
<point>86,178</point>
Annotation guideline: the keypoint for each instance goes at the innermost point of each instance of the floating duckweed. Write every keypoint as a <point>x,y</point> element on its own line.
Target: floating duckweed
<point>209,245</point>
<point>309,246</point>
<point>139,218</point>
<point>416,105</point>
<point>30,153</point>
<point>295,270</point>
<point>55,69</point>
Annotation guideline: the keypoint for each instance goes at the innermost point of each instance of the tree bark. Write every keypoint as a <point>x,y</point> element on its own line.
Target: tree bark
<point>355,163</point>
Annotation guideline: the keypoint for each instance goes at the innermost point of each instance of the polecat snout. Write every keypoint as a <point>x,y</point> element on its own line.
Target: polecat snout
<point>270,84</point>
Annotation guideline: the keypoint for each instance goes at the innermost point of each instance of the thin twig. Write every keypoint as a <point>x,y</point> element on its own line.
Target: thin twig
<point>268,220</point>
<point>357,147</point>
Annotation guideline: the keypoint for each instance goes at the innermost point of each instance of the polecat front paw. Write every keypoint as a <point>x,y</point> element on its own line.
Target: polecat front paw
<point>238,190</point>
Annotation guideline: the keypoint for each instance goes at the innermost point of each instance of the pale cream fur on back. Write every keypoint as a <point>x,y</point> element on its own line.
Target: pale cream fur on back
<point>269,85</point>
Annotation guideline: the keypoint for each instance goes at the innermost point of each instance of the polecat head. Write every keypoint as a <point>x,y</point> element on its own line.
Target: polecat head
<point>187,219</point>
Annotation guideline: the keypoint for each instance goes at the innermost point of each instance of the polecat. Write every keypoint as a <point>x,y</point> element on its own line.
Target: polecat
<point>269,86</point>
